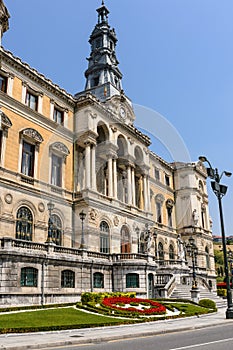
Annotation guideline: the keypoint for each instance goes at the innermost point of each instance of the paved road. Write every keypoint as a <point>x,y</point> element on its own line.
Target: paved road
<point>213,338</point>
<point>85,337</point>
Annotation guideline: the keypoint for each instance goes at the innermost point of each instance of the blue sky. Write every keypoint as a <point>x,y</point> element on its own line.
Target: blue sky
<point>176,57</point>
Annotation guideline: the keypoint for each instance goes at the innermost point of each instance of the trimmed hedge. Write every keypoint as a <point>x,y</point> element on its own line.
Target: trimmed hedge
<point>208,303</point>
<point>98,297</point>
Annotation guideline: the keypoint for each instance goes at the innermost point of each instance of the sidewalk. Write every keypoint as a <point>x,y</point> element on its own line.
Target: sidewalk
<point>92,335</point>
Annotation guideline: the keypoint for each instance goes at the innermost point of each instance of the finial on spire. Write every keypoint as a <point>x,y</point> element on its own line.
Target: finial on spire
<point>103,13</point>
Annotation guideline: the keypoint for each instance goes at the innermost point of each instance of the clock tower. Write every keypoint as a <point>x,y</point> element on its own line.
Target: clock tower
<point>103,77</point>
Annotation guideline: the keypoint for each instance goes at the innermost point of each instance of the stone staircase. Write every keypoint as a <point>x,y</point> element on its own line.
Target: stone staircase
<point>182,291</point>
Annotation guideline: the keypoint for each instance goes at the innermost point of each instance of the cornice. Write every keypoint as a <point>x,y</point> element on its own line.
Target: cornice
<point>34,75</point>
<point>38,119</point>
<point>162,161</point>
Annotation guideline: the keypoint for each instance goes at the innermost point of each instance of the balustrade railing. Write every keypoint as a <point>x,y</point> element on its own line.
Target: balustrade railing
<point>11,243</point>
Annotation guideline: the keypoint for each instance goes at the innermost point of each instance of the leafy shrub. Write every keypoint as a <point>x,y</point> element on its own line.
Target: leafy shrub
<point>221,292</point>
<point>208,303</point>
<point>145,303</point>
<point>133,303</point>
<point>98,297</point>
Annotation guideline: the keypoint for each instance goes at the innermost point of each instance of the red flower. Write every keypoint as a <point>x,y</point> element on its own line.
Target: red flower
<point>155,308</point>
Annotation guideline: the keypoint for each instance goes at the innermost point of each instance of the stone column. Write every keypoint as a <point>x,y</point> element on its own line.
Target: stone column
<point>140,184</point>
<point>133,187</point>
<point>110,187</point>
<point>145,193</point>
<point>87,164</point>
<point>93,167</point>
<point>129,190</point>
<point>148,194</point>
<point>114,178</point>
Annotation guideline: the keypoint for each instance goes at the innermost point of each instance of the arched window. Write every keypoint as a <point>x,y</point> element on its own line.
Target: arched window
<point>102,171</point>
<point>207,258</point>
<point>104,237</point>
<point>171,252</point>
<point>56,229</point>
<point>132,280</point>
<point>160,251</point>
<point>29,277</point>
<point>98,280</point>
<point>67,279</point>
<point>24,224</point>
<point>203,215</point>
<point>125,240</point>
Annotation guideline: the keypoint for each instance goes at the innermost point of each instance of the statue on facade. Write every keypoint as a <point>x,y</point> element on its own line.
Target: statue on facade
<point>146,241</point>
<point>181,249</point>
<point>195,217</point>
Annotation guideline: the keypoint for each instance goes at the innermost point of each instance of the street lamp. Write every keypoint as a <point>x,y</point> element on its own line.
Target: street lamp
<point>155,234</point>
<point>137,229</point>
<point>82,216</point>
<point>192,250</point>
<point>230,260</point>
<point>50,207</point>
<point>220,191</point>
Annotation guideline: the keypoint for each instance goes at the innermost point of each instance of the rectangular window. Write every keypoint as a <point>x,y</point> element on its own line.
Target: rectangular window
<point>167,180</point>
<point>31,100</point>
<point>67,279</point>
<point>159,212</point>
<point>132,280</point>
<point>157,177</point>
<point>58,116</point>
<point>28,156</point>
<point>29,277</point>
<point>3,83</point>
<point>56,174</point>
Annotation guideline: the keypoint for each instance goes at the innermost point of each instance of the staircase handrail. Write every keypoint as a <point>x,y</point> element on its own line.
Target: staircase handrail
<point>170,286</point>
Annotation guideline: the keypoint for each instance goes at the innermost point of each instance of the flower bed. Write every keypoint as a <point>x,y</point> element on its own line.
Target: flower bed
<point>135,305</point>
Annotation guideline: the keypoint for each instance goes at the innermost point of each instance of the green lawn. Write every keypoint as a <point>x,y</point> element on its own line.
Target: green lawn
<point>57,318</point>
<point>70,318</point>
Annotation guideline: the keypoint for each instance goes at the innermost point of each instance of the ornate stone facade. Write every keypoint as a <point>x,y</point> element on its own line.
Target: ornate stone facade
<point>76,173</point>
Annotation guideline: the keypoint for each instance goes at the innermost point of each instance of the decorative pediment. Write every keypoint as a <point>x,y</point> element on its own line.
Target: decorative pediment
<point>4,121</point>
<point>121,108</point>
<point>60,148</point>
<point>32,134</point>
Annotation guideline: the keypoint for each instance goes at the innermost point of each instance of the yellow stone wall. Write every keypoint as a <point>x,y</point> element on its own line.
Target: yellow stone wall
<point>49,135</point>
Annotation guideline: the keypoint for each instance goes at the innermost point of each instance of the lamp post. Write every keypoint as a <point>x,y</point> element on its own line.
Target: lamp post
<point>220,191</point>
<point>192,250</point>
<point>155,234</point>
<point>82,216</point>
<point>50,207</point>
<point>137,229</point>
<point>230,260</point>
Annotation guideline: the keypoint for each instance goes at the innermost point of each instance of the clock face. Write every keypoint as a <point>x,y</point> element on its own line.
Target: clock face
<point>122,112</point>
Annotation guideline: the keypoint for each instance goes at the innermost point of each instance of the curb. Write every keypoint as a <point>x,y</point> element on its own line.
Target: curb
<point>97,340</point>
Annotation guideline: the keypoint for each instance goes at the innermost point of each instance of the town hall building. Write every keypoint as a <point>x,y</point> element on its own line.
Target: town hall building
<point>85,205</point>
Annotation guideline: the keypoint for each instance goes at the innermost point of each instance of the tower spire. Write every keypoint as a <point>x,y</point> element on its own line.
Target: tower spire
<point>103,75</point>
<point>4,19</point>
